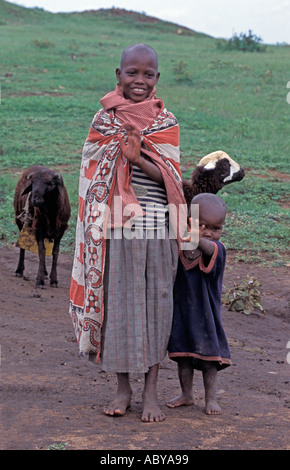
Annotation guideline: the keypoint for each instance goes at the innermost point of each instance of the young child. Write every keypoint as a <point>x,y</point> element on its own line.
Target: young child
<point>122,285</point>
<point>198,340</point>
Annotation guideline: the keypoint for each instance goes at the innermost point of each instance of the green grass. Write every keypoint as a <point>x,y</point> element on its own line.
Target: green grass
<point>54,68</point>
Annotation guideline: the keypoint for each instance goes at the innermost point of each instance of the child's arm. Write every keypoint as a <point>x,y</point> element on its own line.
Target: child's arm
<point>132,151</point>
<point>204,245</point>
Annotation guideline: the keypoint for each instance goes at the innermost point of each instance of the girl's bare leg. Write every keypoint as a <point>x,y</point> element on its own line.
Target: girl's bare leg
<point>151,411</point>
<point>210,384</point>
<point>123,399</point>
<point>185,374</point>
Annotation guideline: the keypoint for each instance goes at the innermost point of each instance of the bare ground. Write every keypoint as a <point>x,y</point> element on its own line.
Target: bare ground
<point>50,395</point>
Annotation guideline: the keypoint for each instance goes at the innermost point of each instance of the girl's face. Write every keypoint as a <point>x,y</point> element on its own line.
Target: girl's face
<point>138,75</point>
<point>211,221</point>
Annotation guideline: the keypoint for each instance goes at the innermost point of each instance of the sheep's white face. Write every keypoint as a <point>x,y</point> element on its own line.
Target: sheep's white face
<point>209,163</point>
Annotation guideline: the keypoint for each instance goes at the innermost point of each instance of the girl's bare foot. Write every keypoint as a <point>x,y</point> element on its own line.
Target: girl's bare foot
<point>212,408</point>
<point>151,411</point>
<point>123,399</point>
<point>181,400</point>
<point>119,406</point>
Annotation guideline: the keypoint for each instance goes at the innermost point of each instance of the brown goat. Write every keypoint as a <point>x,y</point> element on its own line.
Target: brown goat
<point>41,203</point>
<point>212,173</point>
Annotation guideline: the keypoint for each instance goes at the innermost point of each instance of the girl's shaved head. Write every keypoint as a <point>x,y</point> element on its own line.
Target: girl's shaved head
<point>141,49</point>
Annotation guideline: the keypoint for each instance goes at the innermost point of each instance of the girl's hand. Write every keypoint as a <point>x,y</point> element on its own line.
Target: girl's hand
<point>131,149</point>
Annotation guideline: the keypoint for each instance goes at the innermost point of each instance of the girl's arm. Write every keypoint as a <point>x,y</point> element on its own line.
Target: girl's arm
<point>132,151</point>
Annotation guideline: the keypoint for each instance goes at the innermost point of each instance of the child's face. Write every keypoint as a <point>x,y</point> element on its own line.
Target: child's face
<point>211,221</point>
<point>138,75</point>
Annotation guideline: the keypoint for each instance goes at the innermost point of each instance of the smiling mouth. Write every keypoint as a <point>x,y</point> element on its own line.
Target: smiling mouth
<point>138,90</point>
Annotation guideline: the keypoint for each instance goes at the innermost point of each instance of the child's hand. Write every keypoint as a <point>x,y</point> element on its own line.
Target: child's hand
<point>131,149</point>
<point>192,231</point>
<point>201,231</point>
<point>193,235</point>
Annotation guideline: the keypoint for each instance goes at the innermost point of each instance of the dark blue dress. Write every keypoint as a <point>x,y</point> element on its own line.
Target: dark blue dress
<point>197,329</point>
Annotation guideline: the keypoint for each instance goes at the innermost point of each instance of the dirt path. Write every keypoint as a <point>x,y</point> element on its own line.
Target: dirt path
<point>49,395</point>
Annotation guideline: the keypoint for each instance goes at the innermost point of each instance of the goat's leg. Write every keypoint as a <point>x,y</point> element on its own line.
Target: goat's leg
<point>20,268</point>
<point>40,279</point>
<point>55,253</point>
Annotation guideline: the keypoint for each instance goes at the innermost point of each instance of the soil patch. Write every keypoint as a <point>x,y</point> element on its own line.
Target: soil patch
<point>50,395</point>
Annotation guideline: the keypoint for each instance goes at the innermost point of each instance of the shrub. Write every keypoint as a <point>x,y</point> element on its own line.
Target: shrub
<point>244,297</point>
<point>243,42</point>
<point>180,71</point>
<point>43,43</point>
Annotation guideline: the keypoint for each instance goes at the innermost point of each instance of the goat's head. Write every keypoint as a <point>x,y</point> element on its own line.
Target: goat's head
<point>43,184</point>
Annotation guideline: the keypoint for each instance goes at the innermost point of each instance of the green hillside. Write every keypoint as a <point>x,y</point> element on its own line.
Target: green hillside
<point>54,68</point>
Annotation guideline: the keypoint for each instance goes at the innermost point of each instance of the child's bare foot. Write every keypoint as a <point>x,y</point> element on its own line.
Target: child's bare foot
<point>212,408</point>
<point>210,384</point>
<point>119,406</point>
<point>181,400</point>
<point>151,411</point>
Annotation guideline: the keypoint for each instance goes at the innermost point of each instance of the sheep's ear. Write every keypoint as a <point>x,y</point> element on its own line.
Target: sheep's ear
<point>27,190</point>
<point>59,182</point>
<point>29,187</point>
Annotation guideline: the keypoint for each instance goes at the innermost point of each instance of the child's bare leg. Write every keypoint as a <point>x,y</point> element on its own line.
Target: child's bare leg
<point>151,411</point>
<point>185,374</point>
<point>123,399</point>
<point>210,384</point>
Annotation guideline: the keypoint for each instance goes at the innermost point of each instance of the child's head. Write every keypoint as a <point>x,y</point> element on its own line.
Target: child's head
<point>138,72</point>
<point>212,214</point>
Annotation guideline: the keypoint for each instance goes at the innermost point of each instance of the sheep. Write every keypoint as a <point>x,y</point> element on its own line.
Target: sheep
<point>41,204</point>
<point>212,173</point>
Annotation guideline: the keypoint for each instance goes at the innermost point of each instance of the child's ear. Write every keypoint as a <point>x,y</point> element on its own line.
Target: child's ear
<point>118,74</point>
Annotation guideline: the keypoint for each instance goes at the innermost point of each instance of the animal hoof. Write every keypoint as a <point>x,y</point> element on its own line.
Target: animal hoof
<point>54,284</point>
<point>18,274</point>
<point>40,285</point>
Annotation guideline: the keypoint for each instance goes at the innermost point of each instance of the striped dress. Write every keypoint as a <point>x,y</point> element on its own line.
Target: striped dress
<point>153,200</point>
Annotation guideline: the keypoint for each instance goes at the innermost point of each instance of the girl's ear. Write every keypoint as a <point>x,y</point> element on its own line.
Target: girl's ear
<point>118,74</point>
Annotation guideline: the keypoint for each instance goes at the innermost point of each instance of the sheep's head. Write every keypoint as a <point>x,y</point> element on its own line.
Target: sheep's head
<point>43,185</point>
<point>212,173</point>
<point>225,169</point>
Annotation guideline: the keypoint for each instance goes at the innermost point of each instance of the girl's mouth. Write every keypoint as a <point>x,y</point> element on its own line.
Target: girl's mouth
<point>138,90</point>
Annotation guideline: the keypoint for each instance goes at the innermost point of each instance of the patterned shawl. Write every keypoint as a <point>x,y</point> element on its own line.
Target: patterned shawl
<point>104,175</point>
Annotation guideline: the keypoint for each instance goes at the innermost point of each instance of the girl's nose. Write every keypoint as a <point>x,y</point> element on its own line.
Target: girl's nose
<point>139,78</point>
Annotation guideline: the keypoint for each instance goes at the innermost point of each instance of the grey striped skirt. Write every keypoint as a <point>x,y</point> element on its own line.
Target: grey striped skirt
<point>138,301</point>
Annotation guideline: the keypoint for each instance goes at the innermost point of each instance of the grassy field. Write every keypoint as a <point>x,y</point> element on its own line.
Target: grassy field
<point>54,68</point>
